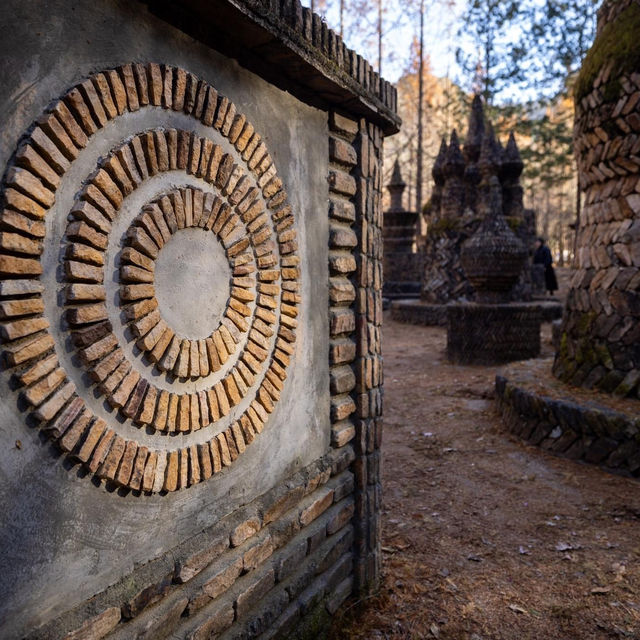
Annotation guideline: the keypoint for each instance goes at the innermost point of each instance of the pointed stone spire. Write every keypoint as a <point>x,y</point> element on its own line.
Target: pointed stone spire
<point>490,151</point>
<point>453,162</point>
<point>511,161</point>
<point>510,171</point>
<point>493,257</point>
<point>438,182</point>
<point>452,204</point>
<point>396,187</point>
<point>436,172</point>
<point>475,132</point>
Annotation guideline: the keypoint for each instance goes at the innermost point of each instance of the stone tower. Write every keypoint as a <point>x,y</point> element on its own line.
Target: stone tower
<point>600,337</point>
<point>401,266</point>
<point>456,207</point>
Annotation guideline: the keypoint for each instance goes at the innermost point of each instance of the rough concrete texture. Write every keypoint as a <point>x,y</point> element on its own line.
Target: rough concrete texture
<point>192,270</point>
<point>62,538</point>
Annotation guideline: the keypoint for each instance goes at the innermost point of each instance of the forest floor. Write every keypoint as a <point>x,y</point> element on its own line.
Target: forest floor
<point>484,537</point>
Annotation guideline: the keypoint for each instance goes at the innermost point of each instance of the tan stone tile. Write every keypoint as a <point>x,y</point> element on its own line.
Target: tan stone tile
<point>21,328</point>
<point>149,471</point>
<point>107,365</point>
<point>154,73</point>
<point>148,405</point>
<point>125,468</point>
<point>129,82</point>
<point>78,106</point>
<point>160,473</point>
<point>161,411</point>
<point>36,394</point>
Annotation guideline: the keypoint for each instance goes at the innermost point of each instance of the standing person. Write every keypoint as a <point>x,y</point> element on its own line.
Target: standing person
<point>542,256</point>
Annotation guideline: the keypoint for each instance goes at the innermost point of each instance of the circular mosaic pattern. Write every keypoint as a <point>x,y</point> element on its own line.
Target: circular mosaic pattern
<point>152,229</point>
<point>223,183</point>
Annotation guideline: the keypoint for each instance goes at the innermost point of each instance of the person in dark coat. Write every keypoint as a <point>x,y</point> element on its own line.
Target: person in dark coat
<point>542,256</point>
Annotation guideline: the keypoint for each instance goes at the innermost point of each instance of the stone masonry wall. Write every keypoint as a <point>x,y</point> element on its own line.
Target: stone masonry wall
<point>600,341</point>
<point>167,479</point>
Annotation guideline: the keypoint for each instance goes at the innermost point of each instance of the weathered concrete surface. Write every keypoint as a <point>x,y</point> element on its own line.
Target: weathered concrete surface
<point>192,269</point>
<point>61,538</point>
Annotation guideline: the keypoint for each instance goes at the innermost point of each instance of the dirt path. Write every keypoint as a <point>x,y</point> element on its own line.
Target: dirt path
<point>483,537</point>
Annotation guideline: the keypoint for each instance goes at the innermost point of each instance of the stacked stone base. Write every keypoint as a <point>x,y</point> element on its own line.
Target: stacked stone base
<point>587,426</point>
<point>402,275</point>
<point>489,334</point>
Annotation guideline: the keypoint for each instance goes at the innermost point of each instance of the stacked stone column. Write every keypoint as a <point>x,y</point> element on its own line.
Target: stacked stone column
<point>600,333</point>
<point>600,338</point>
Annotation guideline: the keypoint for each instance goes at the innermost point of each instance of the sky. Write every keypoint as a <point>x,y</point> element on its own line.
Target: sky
<point>400,26</point>
<point>443,19</point>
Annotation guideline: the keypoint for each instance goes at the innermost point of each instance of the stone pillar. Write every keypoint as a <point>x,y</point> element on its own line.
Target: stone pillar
<point>600,336</point>
<point>492,330</point>
<point>402,265</point>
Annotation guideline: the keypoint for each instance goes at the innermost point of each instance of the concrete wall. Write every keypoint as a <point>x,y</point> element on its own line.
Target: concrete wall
<point>81,554</point>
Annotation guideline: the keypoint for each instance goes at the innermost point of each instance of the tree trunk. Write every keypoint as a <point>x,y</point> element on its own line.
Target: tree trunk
<point>420,100</point>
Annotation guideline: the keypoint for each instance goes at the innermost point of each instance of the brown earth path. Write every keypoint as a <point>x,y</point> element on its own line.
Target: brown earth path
<point>485,538</point>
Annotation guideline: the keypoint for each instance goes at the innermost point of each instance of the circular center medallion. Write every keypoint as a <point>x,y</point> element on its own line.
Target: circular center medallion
<point>192,278</point>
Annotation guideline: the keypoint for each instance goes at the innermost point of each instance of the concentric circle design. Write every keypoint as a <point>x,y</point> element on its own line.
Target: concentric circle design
<point>223,183</point>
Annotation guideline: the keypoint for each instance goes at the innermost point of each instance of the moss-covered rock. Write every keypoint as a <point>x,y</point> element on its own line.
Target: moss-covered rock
<point>619,44</point>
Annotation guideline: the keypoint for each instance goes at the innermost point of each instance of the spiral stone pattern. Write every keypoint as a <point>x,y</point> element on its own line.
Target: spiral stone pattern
<point>239,198</point>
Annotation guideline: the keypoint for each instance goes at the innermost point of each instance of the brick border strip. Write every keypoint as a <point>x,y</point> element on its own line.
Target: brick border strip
<point>29,189</point>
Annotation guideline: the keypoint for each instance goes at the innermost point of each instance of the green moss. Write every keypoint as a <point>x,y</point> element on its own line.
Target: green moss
<point>443,226</point>
<point>585,322</point>
<point>603,355</point>
<point>564,348</point>
<point>618,42</point>
<point>314,626</point>
<point>514,222</point>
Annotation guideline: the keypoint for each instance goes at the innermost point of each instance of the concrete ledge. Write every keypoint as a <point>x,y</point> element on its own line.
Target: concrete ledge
<point>413,311</point>
<point>291,47</point>
<point>589,426</point>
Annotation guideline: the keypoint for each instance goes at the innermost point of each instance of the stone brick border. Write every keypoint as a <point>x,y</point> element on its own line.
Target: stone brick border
<point>594,433</point>
<point>255,210</point>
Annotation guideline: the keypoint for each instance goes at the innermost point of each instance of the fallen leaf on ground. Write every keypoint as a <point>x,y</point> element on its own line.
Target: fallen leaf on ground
<point>517,608</point>
<point>598,590</point>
